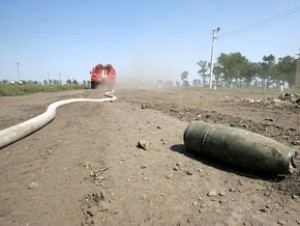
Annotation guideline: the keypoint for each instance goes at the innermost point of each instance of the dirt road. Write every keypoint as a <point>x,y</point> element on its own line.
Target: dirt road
<point>84,168</point>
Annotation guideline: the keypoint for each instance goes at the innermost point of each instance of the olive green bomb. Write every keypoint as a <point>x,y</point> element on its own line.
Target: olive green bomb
<point>239,148</point>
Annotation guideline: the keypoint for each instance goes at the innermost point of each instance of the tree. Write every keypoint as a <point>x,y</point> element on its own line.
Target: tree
<point>185,83</point>
<point>196,82</point>
<point>286,67</point>
<point>184,77</point>
<point>268,71</point>
<point>233,67</point>
<point>203,71</point>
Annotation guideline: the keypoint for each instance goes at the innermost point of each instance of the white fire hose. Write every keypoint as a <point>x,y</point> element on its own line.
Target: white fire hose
<point>19,131</point>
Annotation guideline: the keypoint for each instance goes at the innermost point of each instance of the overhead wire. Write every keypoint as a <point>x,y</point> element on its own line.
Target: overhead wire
<point>263,24</point>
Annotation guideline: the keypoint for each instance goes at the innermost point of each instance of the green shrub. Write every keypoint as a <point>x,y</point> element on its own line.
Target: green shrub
<point>24,89</point>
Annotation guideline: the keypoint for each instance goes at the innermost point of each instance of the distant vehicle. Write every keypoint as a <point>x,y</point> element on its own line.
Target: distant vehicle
<point>103,75</point>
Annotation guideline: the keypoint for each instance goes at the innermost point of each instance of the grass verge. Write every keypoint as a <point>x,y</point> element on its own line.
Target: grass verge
<point>24,89</point>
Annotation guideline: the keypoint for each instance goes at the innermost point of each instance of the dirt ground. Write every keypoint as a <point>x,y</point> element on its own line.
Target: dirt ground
<point>85,168</point>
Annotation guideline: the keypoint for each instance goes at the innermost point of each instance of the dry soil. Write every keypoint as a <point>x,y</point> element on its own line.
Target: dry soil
<point>86,168</point>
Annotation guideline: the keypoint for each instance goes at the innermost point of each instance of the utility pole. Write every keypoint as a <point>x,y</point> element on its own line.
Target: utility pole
<point>59,78</point>
<point>212,55</point>
<point>18,70</point>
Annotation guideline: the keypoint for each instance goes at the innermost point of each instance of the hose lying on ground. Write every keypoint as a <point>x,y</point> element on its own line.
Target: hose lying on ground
<point>19,131</point>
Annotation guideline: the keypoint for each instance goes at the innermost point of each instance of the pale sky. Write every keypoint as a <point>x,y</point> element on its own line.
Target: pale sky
<point>155,39</point>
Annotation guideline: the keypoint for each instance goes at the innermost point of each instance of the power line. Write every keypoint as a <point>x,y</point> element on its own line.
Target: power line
<point>264,23</point>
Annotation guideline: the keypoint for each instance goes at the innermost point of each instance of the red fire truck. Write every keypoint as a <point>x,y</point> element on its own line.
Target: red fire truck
<point>103,75</point>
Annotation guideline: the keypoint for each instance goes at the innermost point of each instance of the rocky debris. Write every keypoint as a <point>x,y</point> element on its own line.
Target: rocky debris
<point>248,100</point>
<point>93,204</point>
<point>282,100</point>
<point>96,197</point>
<point>212,193</point>
<point>291,97</point>
<point>144,144</point>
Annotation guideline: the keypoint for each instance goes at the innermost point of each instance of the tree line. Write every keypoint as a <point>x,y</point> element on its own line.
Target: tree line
<point>234,69</point>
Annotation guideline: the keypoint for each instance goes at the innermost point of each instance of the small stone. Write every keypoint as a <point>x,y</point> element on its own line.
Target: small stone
<point>295,196</point>
<point>49,152</point>
<point>264,210</point>
<point>175,168</point>
<point>281,222</point>
<point>144,106</point>
<point>144,144</point>
<point>33,185</point>
<point>169,176</point>
<point>158,127</point>
<point>195,203</point>
<point>222,193</point>
<point>188,172</point>
<point>269,119</point>
<point>296,142</point>
<point>143,167</point>
<point>212,193</point>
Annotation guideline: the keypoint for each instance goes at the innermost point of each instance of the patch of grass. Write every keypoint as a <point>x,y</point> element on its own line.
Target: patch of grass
<point>24,89</point>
